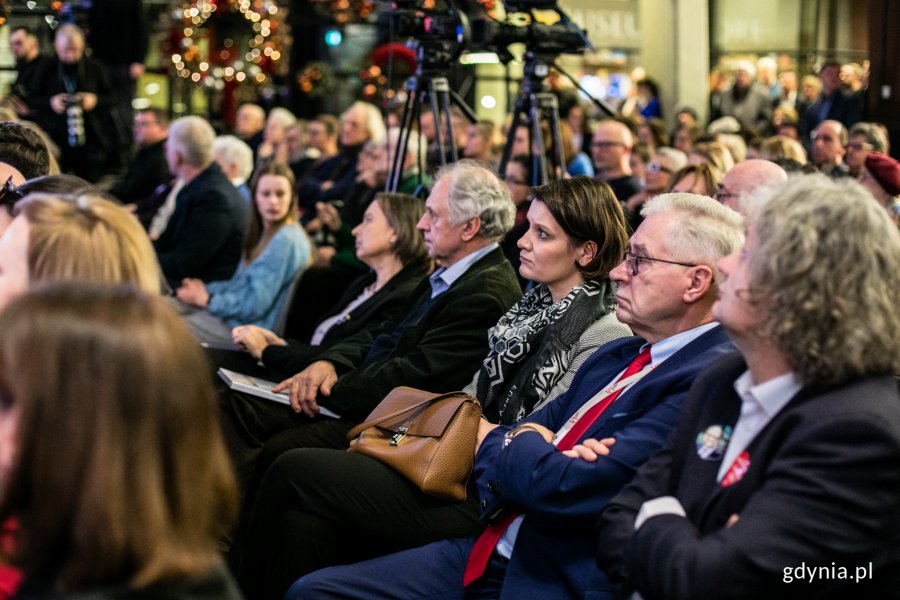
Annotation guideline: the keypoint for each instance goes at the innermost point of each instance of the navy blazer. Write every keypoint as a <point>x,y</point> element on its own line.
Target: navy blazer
<point>821,489</point>
<point>562,497</point>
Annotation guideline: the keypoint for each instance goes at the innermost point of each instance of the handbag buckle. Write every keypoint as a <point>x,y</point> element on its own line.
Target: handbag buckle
<point>401,433</point>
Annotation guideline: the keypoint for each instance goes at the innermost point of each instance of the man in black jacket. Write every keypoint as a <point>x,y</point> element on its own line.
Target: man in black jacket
<point>148,169</point>
<point>204,234</point>
<point>72,99</point>
<point>435,342</point>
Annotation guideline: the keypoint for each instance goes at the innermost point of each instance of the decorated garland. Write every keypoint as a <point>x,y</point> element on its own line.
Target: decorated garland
<point>217,41</point>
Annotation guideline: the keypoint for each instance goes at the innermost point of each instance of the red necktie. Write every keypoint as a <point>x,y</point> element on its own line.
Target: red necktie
<point>487,541</point>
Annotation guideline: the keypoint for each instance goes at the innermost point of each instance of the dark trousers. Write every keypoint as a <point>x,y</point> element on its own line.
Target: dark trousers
<point>318,508</point>
<point>257,431</point>
<point>434,572</point>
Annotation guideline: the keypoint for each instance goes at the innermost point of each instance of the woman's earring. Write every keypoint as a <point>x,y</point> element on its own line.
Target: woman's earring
<point>393,241</point>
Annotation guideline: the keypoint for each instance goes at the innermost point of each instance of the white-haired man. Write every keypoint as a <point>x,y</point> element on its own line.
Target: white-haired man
<point>542,483</point>
<point>746,101</point>
<point>203,236</point>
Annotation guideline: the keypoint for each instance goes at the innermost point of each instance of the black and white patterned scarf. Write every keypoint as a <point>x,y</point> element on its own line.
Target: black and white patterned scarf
<point>529,347</point>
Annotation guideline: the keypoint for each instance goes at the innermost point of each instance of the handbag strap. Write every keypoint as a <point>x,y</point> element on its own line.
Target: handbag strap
<point>379,420</point>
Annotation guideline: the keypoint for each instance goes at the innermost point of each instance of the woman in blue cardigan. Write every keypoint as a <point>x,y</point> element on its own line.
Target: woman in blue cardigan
<point>275,247</point>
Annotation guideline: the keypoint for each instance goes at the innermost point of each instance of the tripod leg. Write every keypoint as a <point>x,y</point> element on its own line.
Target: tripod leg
<point>410,115</point>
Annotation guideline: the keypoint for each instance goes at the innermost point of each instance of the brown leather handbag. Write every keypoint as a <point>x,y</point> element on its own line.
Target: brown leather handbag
<point>426,437</point>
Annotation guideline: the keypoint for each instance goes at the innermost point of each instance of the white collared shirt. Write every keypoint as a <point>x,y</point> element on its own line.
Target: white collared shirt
<point>759,405</point>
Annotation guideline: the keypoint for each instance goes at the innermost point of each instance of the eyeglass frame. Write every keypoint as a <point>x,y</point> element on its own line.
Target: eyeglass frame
<point>722,194</point>
<point>606,145</point>
<point>634,260</point>
<point>9,195</point>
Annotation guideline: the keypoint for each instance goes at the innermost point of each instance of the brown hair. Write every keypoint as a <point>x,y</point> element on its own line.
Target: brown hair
<point>255,239</point>
<point>87,238</point>
<point>587,210</point>
<point>120,473</point>
<point>403,212</point>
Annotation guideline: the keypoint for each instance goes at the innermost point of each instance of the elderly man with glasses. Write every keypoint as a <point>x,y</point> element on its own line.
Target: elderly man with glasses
<point>610,150</point>
<point>543,483</point>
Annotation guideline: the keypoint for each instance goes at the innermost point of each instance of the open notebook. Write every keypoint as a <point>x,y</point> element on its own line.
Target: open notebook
<point>263,389</point>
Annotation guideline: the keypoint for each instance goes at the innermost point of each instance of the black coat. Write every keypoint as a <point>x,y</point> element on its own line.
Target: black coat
<point>204,236</point>
<point>439,351</point>
<point>147,171</point>
<point>820,488</point>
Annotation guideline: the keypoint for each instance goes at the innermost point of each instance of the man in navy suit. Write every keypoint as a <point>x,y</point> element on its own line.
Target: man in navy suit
<point>549,495</point>
<point>801,485</point>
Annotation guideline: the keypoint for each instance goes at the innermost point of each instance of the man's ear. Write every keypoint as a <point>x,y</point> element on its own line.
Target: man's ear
<point>700,283</point>
<point>471,228</point>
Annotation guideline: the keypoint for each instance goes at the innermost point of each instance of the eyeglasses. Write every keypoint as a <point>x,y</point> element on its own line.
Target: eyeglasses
<point>145,123</point>
<point>9,195</point>
<point>657,167</point>
<point>633,262</point>
<point>605,145</point>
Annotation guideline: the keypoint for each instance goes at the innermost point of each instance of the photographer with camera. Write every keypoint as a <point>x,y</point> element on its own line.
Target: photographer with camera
<point>72,99</point>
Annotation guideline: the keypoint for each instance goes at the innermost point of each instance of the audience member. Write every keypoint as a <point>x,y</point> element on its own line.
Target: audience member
<point>81,238</point>
<point>610,149</point>
<point>322,137</point>
<point>829,145</point>
<point>274,145</point>
<point>767,78</point>
<point>144,477</point>
<point>518,179</point>
<point>334,179</point>
<point>833,104</point>
<point>23,149</point>
<point>881,176</point>
<point>781,147</point>
<point>648,104</point>
<point>783,457</point>
<point>712,153</point>
<point>685,137</point>
<point>203,235</point>
<point>148,168</point>
<point>25,48</point>
<point>543,482</point>
<point>576,162</point>
<point>864,138</point>
<point>700,179</point>
<point>391,246</point>
<point>652,132</point>
<point>576,235</point>
<point>744,179</point>
<point>657,176</point>
<point>480,141</point>
<point>437,339</point>
<point>275,250</point>
<point>249,125</point>
<point>235,159</point>
<point>577,122</point>
<point>72,99</point>
<point>746,101</point>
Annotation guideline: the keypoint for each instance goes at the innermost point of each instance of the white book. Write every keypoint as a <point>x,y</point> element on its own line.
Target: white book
<point>262,388</point>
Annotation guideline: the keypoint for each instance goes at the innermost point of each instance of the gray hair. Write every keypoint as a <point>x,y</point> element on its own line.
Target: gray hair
<point>374,121</point>
<point>825,272</point>
<point>233,150</point>
<point>703,232</point>
<point>874,135</point>
<point>283,117</point>
<point>476,191</point>
<point>193,137</point>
